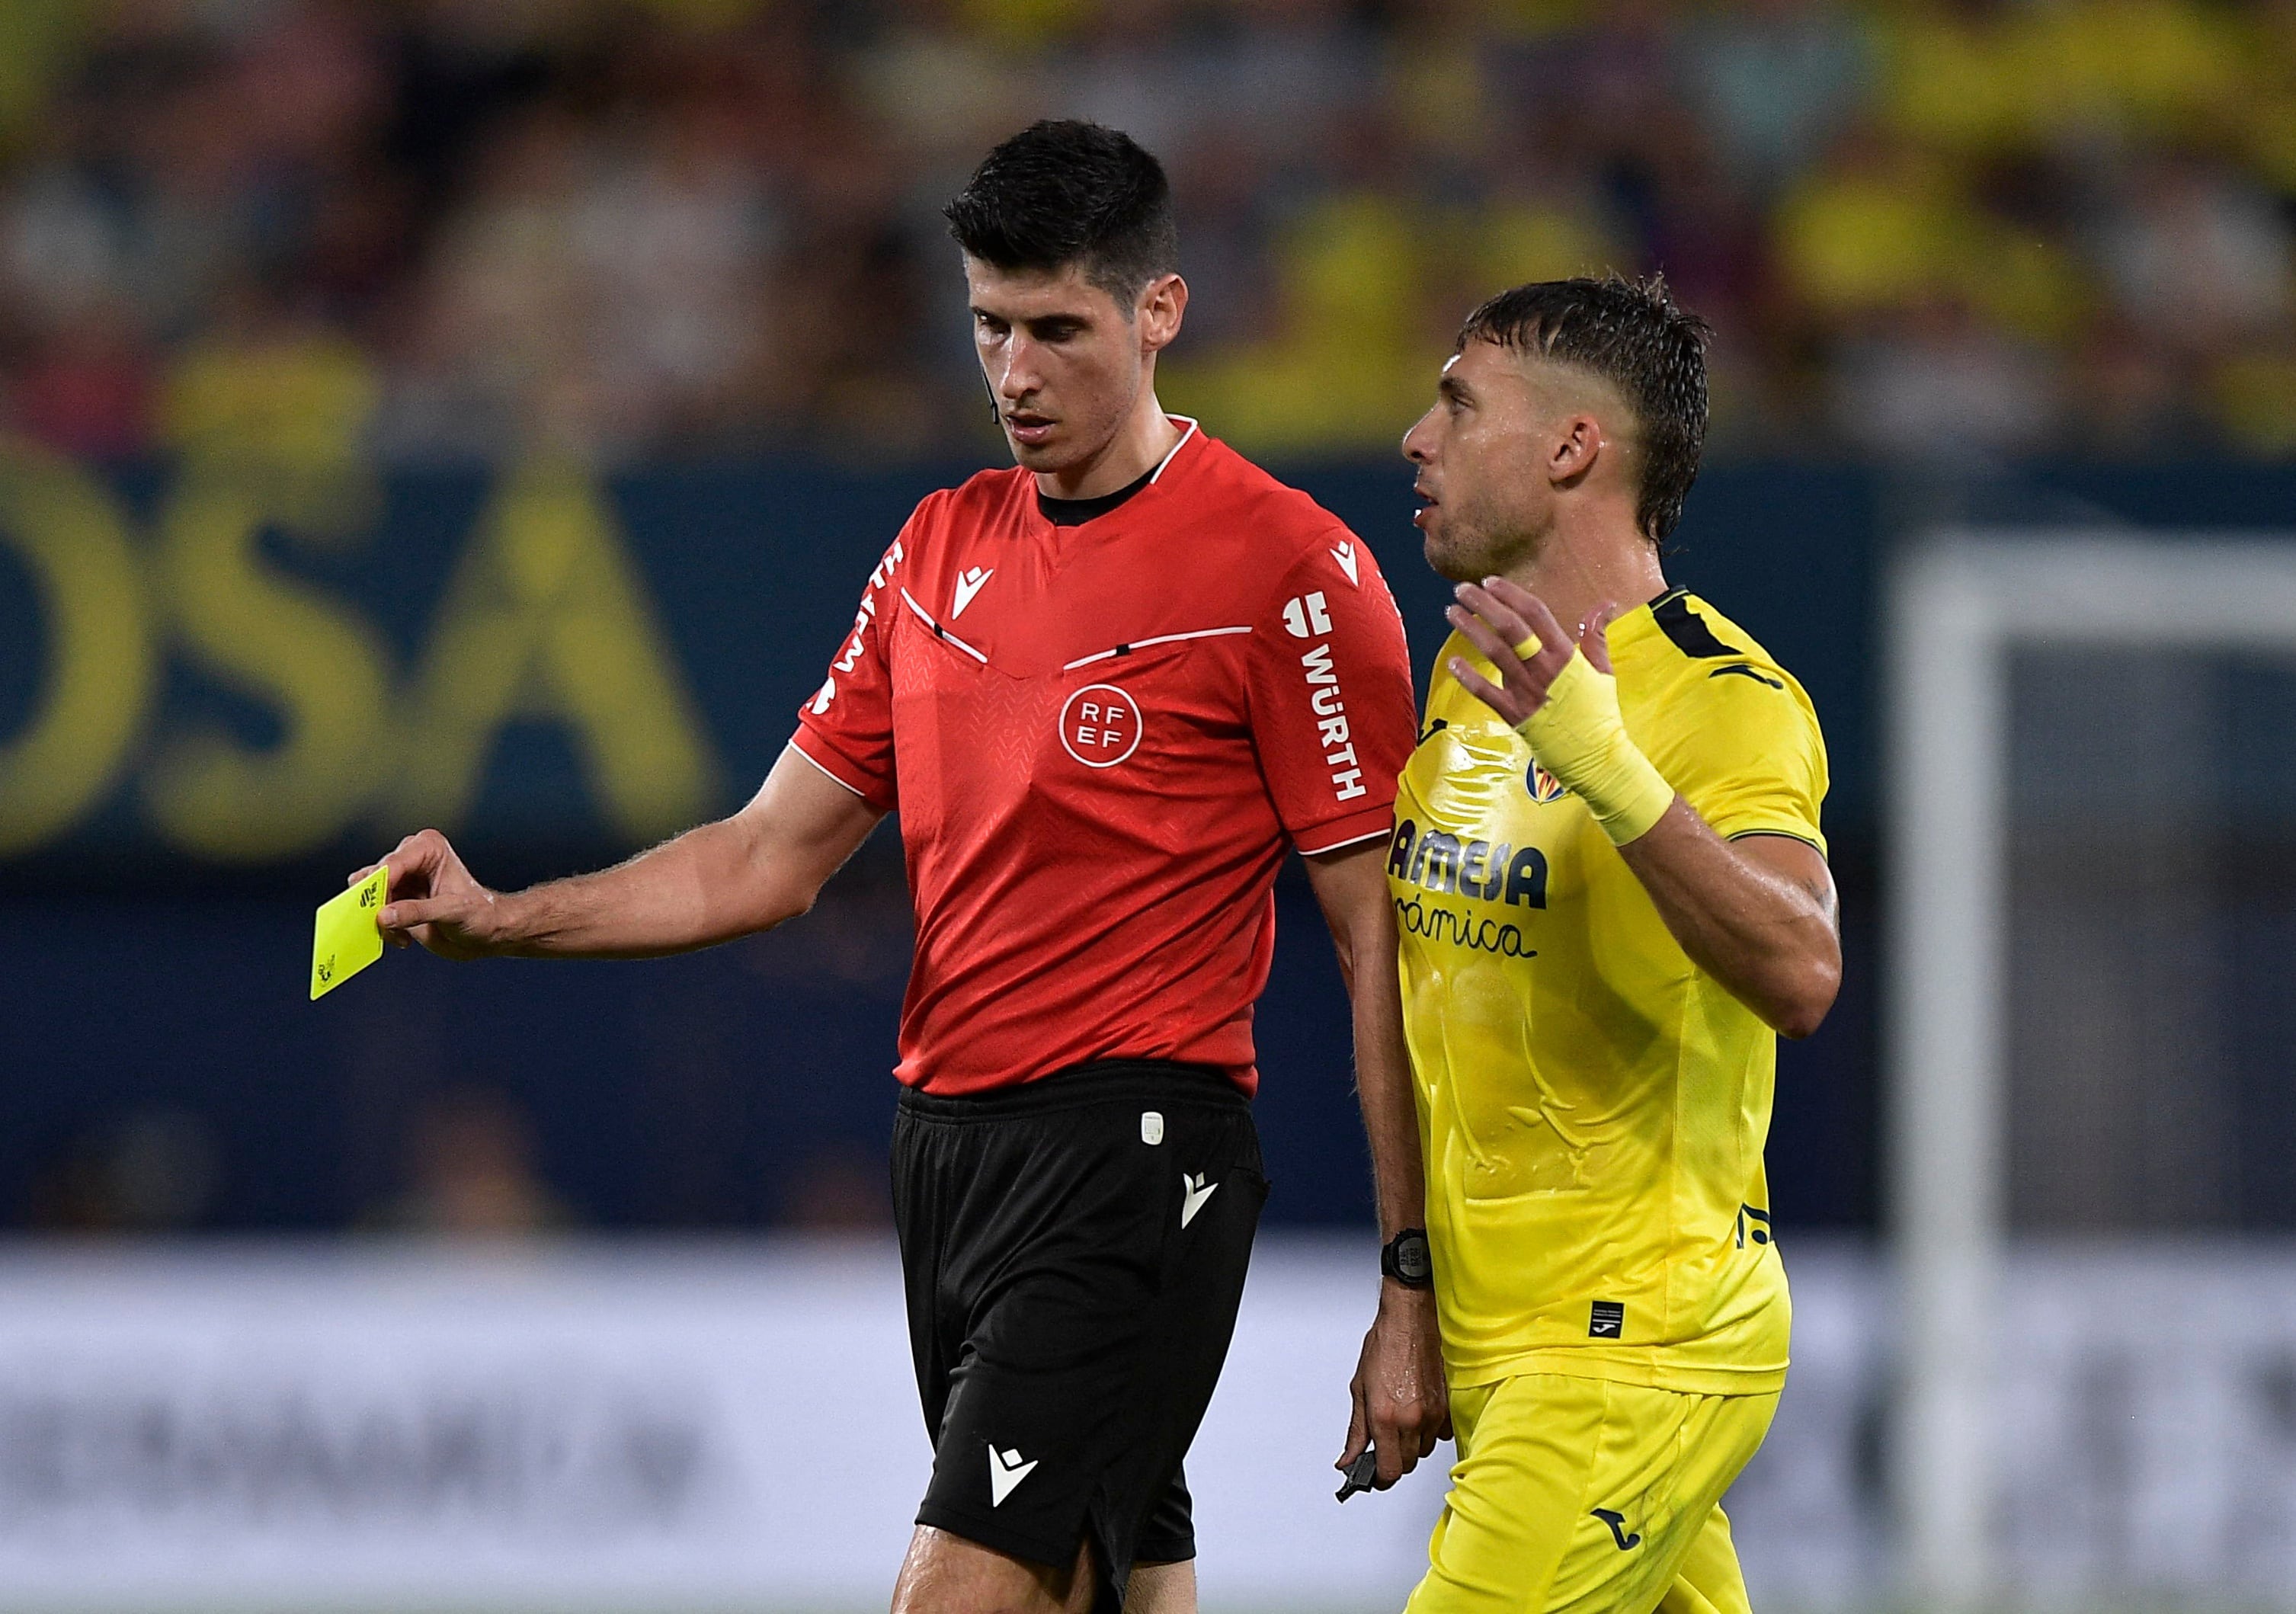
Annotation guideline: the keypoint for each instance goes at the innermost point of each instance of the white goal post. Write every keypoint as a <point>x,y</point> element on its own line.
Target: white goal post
<point>1958,604</point>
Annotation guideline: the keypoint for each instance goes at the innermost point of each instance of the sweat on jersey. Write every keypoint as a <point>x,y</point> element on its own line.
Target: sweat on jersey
<point>1102,739</point>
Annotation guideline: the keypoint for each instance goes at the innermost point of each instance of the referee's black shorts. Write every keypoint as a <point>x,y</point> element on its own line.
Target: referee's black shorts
<point>1074,1252</point>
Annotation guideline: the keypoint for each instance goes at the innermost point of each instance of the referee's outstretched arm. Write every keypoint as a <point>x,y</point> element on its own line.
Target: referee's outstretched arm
<point>741,874</point>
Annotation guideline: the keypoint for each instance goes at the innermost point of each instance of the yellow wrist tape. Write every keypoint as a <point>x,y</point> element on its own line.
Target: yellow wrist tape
<point>1578,736</point>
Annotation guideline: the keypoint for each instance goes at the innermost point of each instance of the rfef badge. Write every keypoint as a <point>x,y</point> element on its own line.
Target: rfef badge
<point>344,938</point>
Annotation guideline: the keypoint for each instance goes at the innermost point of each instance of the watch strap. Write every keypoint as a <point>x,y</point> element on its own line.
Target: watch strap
<point>1406,1258</point>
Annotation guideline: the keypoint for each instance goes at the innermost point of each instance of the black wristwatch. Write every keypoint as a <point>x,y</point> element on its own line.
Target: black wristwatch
<point>1404,1258</point>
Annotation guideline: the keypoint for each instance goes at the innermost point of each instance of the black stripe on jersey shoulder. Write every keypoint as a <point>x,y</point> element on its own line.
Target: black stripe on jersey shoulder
<point>1688,630</point>
<point>1745,670</point>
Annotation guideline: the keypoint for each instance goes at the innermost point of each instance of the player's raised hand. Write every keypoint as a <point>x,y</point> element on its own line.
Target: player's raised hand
<point>434,900</point>
<point>1524,644</point>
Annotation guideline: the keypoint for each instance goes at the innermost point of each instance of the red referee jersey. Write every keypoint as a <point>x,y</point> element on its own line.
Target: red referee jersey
<point>1100,739</point>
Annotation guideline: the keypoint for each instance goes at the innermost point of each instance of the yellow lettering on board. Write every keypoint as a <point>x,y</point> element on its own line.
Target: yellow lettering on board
<point>322,671</point>
<point>72,537</point>
<point>546,618</point>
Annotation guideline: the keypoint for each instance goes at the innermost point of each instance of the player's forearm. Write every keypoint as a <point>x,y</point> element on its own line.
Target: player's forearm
<point>1769,940</point>
<point>695,891</point>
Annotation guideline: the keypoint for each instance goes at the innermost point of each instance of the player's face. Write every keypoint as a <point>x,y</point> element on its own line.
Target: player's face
<point>1479,453</point>
<point>1064,361</point>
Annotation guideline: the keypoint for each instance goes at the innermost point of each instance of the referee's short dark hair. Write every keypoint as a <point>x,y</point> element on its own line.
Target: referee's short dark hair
<point>1630,333</point>
<point>1061,193</point>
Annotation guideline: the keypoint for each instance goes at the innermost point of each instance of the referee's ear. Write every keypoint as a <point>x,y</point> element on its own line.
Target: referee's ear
<point>1162,305</point>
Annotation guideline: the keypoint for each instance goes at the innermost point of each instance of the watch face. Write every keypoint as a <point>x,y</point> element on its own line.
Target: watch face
<point>1411,1263</point>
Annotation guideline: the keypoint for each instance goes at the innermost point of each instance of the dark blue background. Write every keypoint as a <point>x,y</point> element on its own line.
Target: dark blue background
<point>693,1091</point>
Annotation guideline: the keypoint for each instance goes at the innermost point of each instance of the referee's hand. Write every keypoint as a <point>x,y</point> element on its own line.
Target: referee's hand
<point>1400,1405</point>
<point>433,900</point>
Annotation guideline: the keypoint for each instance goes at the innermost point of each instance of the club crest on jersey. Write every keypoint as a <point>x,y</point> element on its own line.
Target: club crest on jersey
<point>1545,787</point>
<point>1100,725</point>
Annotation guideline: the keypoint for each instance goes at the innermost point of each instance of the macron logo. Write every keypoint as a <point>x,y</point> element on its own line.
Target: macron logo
<point>1194,1192</point>
<point>1345,554</point>
<point>968,584</point>
<point>1005,1470</point>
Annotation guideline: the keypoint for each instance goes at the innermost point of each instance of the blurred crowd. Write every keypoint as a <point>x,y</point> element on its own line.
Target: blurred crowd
<point>447,228</point>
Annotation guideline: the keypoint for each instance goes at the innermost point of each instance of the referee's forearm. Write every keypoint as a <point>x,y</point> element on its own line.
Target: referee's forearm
<point>1390,1109</point>
<point>683,895</point>
<point>1351,885</point>
<point>1383,1084</point>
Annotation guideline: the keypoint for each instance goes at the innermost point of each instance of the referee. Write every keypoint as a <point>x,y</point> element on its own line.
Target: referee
<point>1108,690</point>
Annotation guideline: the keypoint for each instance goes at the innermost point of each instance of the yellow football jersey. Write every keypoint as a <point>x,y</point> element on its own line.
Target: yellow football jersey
<point>1593,1105</point>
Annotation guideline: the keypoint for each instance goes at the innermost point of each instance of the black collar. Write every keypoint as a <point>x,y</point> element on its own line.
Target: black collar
<point>1076,513</point>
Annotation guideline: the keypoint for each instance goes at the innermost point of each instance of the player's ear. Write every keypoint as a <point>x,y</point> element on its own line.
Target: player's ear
<point>1577,444</point>
<point>1164,304</point>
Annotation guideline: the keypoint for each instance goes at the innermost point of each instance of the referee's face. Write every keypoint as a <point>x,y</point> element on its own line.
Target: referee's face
<point>1066,364</point>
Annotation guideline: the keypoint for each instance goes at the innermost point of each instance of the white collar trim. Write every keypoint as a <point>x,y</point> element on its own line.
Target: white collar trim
<point>1163,463</point>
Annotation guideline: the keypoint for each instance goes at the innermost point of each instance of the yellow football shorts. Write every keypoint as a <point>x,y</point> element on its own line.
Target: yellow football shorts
<point>1580,1494</point>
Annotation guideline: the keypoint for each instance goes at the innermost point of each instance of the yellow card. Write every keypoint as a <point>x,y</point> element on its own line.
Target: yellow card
<point>344,939</point>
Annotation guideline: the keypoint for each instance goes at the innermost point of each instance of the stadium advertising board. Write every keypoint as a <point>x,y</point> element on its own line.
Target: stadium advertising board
<point>223,666</point>
<point>228,666</point>
<point>587,1428</point>
<point>607,1427</point>
<point>200,666</point>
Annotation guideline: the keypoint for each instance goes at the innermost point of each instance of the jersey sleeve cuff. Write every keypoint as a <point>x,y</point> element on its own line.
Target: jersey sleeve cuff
<point>809,744</point>
<point>1771,823</point>
<point>1372,824</point>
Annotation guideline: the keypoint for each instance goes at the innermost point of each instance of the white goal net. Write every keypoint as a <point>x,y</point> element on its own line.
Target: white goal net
<point>2091,870</point>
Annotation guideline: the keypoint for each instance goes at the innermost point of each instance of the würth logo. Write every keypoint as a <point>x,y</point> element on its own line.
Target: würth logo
<point>1307,616</point>
<point>1100,725</point>
<point>1331,709</point>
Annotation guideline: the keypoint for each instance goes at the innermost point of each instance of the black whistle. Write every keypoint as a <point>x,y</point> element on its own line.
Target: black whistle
<point>1361,1473</point>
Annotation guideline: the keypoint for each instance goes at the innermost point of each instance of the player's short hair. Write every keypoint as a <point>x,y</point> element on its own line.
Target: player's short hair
<point>1631,333</point>
<point>1061,193</point>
